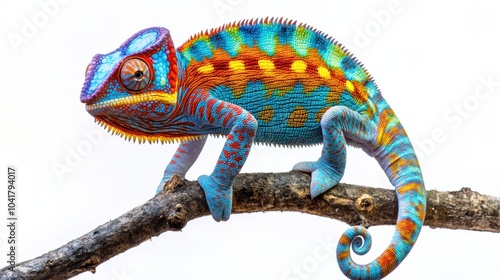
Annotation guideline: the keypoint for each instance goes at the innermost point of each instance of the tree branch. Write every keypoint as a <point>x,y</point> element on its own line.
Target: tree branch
<point>182,201</point>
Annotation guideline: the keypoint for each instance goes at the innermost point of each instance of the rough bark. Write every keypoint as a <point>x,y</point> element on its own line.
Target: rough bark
<point>182,201</point>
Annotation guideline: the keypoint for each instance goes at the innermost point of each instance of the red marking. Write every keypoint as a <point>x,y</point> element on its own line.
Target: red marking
<point>221,65</point>
<point>172,59</point>
<point>241,137</point>
<point>172,81</point>
<point>238,158</point>
<point>232,165</point>
<point>245,121</point>
<point>228,154</point>
<point>229,116</point>
<point>219,108</point>
<point>210,105</point>
<point>173,162</point>
<point>235,145</point>
<point>201,111</point>
<point>230,137</point>
<point>240,131</point>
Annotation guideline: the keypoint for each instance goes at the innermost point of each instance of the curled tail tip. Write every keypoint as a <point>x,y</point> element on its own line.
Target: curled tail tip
<point>360,240</point>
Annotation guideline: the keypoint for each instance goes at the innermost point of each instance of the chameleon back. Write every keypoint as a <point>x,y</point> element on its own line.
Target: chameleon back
<point>295,72</point>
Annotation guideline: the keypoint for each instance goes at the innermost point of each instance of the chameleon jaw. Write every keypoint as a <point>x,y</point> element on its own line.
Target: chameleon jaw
<point>159,96</point>
<point>143,138</point>
<point>101,110</point>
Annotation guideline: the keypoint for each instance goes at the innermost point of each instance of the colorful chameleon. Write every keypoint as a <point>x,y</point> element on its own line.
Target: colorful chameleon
<point>269,81</point>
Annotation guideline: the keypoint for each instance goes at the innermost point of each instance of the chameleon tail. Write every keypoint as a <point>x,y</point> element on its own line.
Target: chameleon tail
<point>396,156</point>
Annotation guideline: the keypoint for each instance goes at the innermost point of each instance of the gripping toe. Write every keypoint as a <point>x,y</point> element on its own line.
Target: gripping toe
<point>323,177</point>
<point>219,199</point>
<point>305,166</point>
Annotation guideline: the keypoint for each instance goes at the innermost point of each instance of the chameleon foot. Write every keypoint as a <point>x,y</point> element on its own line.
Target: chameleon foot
<point>323,177</point>
<point>219,200</point>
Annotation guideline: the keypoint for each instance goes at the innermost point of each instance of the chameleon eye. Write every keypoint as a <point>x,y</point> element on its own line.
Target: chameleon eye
<point>135,74</point>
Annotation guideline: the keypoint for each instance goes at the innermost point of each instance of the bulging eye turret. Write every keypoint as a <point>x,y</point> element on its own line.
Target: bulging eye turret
<point>135,74</point>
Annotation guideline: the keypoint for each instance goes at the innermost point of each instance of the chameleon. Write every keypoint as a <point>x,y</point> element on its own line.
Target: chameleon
<point>271,81</point>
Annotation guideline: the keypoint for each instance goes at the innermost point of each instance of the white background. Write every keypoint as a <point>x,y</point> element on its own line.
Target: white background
<point>428,58</point>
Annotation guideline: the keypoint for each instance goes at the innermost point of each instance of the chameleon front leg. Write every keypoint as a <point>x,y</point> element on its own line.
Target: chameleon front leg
<point>242,127</point>
<point>183,159</point>
<point>337,124</point>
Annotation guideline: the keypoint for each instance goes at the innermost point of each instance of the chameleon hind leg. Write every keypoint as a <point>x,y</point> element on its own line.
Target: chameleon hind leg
<point>337,124</point>
<point>183,159</point>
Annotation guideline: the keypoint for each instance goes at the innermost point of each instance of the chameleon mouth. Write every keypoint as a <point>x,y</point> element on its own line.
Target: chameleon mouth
<point>159,96</point>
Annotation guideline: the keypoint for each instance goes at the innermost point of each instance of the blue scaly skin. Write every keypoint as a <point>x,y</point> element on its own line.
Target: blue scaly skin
<point>269,81</point>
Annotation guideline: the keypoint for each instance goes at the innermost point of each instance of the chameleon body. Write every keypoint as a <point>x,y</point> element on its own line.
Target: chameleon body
<point>268,81</point>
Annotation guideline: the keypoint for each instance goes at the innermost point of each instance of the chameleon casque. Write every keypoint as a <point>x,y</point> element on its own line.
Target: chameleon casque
<point>270,81</point>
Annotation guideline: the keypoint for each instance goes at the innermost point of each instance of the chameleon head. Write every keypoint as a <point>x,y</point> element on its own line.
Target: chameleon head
<point>127,90</point>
